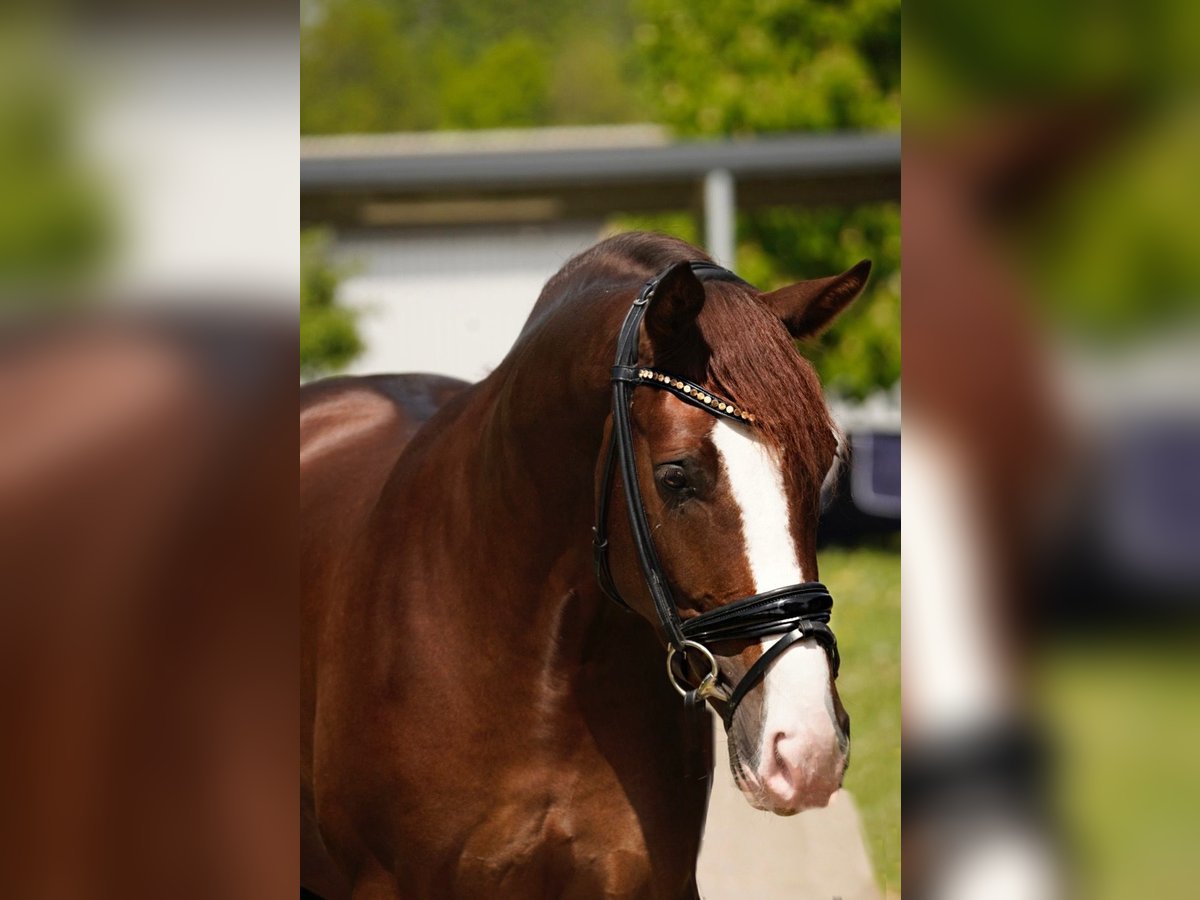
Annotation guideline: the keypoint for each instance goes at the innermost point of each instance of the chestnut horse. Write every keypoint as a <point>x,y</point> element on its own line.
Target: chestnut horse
<point>478,719</point>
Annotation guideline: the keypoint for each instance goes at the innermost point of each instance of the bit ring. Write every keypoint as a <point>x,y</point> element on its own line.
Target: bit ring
<point>708,684</point>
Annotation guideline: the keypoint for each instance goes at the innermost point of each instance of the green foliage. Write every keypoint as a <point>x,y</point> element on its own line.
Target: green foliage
<point>1111,249</point>
<point>589,80</point>
<point>359,71</point>
<point>718,68</point>
<point>751,66</point>
<point>733,66</point>
<point>1117,258</point>
<point>399,65</point>
<point>1036,50</point>
<point>55,219</point>
<point>861,352</point>
<point>748,66</point>
<point>328,337</point>
<point>508,85</point>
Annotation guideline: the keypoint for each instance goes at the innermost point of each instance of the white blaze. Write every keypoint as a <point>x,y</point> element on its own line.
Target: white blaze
<point>954,673</point>
<point>798,699</point>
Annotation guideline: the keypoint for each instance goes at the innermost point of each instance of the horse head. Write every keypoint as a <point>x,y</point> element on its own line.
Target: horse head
<point>732,504</point>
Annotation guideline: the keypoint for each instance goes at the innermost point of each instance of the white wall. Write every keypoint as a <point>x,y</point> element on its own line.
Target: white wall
<point>450,300</point>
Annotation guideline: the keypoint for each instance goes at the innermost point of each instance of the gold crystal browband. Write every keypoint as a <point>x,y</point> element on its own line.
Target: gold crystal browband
<point>684,390</point>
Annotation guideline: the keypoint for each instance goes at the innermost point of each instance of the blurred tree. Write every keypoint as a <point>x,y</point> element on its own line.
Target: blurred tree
<point>752,66</point>
<point>56,222</point>
<point>328,337</point>
<point>748,66</point>
<point>861,352</point>
<point>725,67</point>
<point>1110,241</point>
<point>361,70</point>
<point>405,65</point>
<point>589,80</point>
<point>508,85</point>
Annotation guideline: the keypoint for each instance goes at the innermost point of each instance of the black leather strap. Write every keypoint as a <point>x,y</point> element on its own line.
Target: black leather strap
<point>797,611</point>
<point>770,612</point>
<point>622,437</point>
<point>801,610</point>
<point>758,671</point>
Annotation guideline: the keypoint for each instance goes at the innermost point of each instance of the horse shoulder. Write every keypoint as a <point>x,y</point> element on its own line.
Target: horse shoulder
<point>352,433</point>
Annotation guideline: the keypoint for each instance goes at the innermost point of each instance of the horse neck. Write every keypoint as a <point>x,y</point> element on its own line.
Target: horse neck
<point>541,441</point>
<point>526,455</point>
<point>528,448</point>
<point>542,434</point>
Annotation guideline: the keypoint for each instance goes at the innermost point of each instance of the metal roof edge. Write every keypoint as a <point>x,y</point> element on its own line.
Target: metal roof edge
<point>349,163</point>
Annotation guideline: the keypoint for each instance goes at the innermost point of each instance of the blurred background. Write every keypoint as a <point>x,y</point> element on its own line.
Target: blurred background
<point>455,154</point>
<point>149,161</point>
<point>145,155</point>
<point>149,271</point>
<point>1051,472</point>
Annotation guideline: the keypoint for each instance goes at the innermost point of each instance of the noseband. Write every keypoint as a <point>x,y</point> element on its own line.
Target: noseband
<point>795,611</point>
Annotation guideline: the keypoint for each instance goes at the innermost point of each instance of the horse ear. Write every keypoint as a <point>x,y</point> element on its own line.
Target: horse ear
<point>808,307</point>
<point>670,322</point>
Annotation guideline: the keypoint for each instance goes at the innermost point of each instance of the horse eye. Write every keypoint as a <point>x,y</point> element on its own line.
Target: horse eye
<point>673,477</point>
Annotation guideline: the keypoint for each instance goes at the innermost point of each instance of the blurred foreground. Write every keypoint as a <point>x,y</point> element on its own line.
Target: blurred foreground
<point>148,644</point>
<point>1051,464</point>
<point>147,622</point>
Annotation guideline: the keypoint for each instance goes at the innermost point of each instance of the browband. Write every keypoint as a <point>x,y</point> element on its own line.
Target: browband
<point>795,611</point>
<point>684,390</point>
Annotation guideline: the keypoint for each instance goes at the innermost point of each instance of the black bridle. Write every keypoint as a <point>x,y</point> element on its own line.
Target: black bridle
<point>795,611</point>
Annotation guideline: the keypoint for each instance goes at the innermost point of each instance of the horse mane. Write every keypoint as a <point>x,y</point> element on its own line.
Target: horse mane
<point>617,261</point>
<point>638,253</point>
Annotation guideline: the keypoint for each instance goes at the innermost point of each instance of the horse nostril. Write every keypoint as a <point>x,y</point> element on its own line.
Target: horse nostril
<point>785,755</point>
<point>776,751</point>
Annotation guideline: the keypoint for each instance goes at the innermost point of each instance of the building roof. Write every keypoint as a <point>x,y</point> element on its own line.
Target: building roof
<point>588,170</point>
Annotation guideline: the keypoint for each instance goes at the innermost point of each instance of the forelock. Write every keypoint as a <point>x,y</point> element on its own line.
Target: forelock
<point>753,362</point>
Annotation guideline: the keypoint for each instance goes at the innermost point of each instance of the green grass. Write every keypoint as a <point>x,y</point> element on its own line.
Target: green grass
<point>865,583</point>
<point>1123,713</point>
